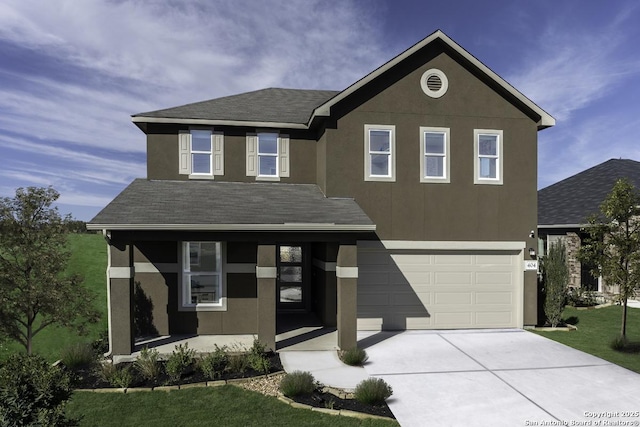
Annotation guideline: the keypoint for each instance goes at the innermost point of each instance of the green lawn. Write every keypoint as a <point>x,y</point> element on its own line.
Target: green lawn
<point>596,329</point>
<point>88,258</point>
<point>224,406</point>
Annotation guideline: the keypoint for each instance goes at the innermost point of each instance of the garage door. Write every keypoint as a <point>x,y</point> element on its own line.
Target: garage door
<point>420,289</point>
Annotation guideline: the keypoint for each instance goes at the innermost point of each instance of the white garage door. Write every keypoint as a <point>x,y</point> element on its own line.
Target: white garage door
<point>419,289</point>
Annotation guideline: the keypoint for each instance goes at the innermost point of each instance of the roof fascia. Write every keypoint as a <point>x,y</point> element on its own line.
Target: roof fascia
<point>281,125</point>
<point>546,120</point>
<point>562,225</point>
<point>236,227</point>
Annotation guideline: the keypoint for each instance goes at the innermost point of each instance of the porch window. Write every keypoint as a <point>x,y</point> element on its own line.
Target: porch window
<point>202,274</point>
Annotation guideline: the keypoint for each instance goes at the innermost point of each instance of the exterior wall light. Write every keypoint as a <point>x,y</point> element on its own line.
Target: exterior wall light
<point>532,252</point>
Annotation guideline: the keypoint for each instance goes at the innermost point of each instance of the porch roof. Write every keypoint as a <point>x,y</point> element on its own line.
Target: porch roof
<point>230,206</point>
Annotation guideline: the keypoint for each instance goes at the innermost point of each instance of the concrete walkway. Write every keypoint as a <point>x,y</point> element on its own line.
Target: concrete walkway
<point>325,366</point>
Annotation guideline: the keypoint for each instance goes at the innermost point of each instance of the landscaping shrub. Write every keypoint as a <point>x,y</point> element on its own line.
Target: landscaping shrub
<point>297,383</point>
<point>32,392</point>
<point>78,355</point>
<point>258,359</point>
<point>148,364</point>
<point>181,361</point>
<point>354,356</point>
<point>121,377</point>
<point>373,391</point>
<point>238,363</point>
<point>213,364</point>
<point>578,297</point>
<point>101,344</point>
<point>619,343</point>
<point>556,278</point>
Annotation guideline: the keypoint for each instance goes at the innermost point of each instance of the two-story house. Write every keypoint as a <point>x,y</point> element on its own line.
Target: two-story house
<point>406,201</point>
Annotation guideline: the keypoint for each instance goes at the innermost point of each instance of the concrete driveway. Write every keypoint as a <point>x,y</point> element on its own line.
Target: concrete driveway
<point>498,378</point>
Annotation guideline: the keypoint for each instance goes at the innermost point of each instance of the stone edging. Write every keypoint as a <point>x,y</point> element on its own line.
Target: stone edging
<point>217,383</point>
<point>343,412</point>
<point>567,328</point>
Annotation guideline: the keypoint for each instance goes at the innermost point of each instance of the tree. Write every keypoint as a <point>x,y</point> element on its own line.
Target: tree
<point>613,243</point>
<point>34,289</point>
<point>556,277</point>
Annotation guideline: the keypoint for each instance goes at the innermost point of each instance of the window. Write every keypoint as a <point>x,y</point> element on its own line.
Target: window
<point>488,156</point>
<point>434,160</point>
<point>267,156</point>
<point>202,275</point>
<point>380,142</point>
<point>201,153</point>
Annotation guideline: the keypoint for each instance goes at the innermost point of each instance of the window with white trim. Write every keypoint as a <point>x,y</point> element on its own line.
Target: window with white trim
<point>488,156</point>
<point>267,156</point>
<point>434,159</point>
<point>202,285</point>
<point>379,149</point>
<point>201,153</point>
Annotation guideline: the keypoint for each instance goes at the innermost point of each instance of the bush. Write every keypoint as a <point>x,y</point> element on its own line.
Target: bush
<point>578,297</point>
<point>259,363</point>
<point>181,361</point>
<point>297,383</point>
<point>257,348</point>
<point>32,392</point>
<point>619,344</point>
<point>101,344</point>
<point>78,355</point>
<point>373,391</point>
<point>354,356</point>
<point>147,363</point>
<point>238,363</point>
<point>121,377</point>
<point>213,364</point>
<point>556,277</point>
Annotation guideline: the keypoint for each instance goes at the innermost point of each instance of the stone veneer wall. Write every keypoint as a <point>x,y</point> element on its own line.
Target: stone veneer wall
<point>572,242</point>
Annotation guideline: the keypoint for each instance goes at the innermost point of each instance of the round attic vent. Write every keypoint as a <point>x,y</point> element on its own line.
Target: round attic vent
<point>434,83</point>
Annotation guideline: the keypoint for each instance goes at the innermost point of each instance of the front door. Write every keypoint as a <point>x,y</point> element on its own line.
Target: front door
<point>292,289</point>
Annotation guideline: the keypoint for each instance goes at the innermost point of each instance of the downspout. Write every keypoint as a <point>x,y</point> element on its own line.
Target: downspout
<point>107,238</point>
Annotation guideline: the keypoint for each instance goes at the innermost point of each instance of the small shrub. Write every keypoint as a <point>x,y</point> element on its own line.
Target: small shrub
<point>213,364</point>
<point>180,362</point>
<point>78,355</point>
<point>556,277</point>
<point>297,383</point>
<point>121,377</point>
<point>259,363</point>
<point>238,363</point>
<point>257,348</point>
<point>32,392</point>
<point>147,364</point>
<point>578,297</point>
<point>354,356</point>
<point>373,391</point>
<point>101,344</point>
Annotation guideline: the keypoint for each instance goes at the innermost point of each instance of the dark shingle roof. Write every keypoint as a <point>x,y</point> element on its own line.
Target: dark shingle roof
<point>266,105</point>
<point>210,203</point>
<point>573,200</point>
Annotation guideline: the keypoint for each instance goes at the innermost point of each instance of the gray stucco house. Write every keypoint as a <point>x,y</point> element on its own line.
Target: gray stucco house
<point>406,201</point>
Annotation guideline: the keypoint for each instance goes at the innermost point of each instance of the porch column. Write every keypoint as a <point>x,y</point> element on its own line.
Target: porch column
<point>266,274</point>
<point>347,284</point>
<point>120,275</point>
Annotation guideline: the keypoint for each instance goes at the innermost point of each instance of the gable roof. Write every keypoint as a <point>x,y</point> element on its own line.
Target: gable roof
<point>295,108</point>
<point>571,201</point>
<point>237,206</point>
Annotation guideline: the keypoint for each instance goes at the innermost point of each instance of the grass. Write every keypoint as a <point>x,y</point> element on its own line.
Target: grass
<point>596,329</point>
<point>88,258</point>
<point>226,405</point>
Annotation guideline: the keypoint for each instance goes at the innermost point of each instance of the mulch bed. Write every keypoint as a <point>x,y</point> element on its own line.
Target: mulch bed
<point>89,378</point>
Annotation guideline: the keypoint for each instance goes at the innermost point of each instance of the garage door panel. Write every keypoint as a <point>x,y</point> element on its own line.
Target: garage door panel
<point>494,278</point>
<point>428,289</point>
<point>453,278</point>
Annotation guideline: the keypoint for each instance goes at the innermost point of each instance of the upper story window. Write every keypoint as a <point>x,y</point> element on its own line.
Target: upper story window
<point>202,278</point>
<point>379,150</point>
<point>267,156</point>
<point>488,156</point>
<point>435,159</point>
<point>201,153</point>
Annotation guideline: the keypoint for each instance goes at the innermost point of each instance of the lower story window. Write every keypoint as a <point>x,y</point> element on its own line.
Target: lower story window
<point>201,274</point>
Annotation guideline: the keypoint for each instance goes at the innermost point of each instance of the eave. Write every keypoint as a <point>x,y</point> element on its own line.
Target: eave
<point>237,227</point>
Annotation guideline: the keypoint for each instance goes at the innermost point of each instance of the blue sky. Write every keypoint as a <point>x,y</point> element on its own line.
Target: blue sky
<point>72,72</point>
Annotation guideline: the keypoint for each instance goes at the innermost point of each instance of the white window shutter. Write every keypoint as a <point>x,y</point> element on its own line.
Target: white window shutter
<point>284,155</point>
<point>252,155</point>
<point>184,156</point>
<point>217,142</point>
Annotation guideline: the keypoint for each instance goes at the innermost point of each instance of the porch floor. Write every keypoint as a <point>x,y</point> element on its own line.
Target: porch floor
<point>304,332</point>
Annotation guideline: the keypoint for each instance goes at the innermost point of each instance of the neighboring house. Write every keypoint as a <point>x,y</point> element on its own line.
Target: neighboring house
<point>406,201</point>
<point>565,207</point>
